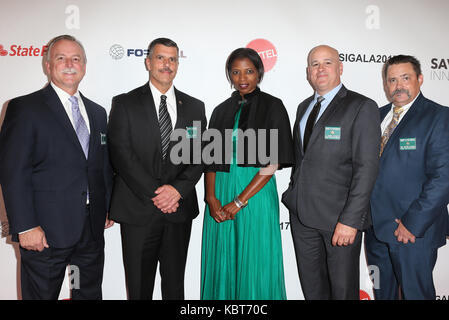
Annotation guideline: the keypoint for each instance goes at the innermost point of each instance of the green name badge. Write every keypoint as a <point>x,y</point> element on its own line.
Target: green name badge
<point>103,138</point>
<point>332,133</point>
<point>191,132</point>
<point>407,144</point>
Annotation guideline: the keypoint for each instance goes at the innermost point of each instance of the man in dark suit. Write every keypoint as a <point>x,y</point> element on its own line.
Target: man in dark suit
<point>56,179</point>
<point>410,197</point>
<point>336,137</point>
<point>154,198</point>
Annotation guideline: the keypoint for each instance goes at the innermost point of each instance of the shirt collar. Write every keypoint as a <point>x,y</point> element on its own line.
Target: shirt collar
<point>157,94</point>
<point>330,95</point>
<point>64,96</point>
<point>407,106</point>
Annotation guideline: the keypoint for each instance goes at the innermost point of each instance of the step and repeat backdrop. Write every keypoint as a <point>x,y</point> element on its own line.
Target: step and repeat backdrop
<point>116,34</point>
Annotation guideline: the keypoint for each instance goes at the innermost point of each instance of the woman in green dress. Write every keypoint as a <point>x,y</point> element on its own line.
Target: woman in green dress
<point>241,246</point>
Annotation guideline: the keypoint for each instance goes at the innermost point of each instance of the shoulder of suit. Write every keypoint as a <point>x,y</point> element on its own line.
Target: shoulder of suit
<point>185,98</point>
<point>355,95</point>
<point>93,104</point>
<point>28,101</point>
<point>432,104</point>
<point>357,99</point>
<point>131,93</point>
<point>33,96</point>
<point>307,100</point>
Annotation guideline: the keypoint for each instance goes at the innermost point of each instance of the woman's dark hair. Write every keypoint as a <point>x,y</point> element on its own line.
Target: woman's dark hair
<point>403,59</point>
<point>242,53</point>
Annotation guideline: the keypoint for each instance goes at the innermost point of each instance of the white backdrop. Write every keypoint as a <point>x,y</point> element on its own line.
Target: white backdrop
<point>365,32</point>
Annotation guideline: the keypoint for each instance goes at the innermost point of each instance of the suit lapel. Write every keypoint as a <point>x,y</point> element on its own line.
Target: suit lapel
<point>384,111</point>
<point>297,132</point>
<point>93,140</point>
<point>147,104</point>
<point>180,110</point>
<point>53,102</point>
<point>330,110</point>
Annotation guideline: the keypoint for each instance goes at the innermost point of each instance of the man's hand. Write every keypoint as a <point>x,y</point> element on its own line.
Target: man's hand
<point>402,234</point>
<point>33,239</point>
<point>343,235</point>
<point>108,223</point>
<point>167,198</point>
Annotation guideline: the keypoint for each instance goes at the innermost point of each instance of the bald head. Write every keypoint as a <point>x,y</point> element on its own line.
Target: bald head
<point>323,47</point>
<point>324,69</point>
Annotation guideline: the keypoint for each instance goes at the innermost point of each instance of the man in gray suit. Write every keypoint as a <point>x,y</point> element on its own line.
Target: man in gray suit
<point>336,137</point>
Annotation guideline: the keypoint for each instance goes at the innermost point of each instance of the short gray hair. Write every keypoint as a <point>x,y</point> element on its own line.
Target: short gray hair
<point>53,41</point>
<point>165,42</point>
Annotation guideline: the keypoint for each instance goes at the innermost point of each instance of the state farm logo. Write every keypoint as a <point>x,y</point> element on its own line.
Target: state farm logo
<point>266,51</point>
<point>23,51</point>
<point>3,52</point>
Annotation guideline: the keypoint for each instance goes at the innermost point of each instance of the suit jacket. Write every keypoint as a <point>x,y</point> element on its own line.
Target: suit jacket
<point>44,173</point>
<point>413,181</point>
<point>332,181</point>
<point>135,148</point>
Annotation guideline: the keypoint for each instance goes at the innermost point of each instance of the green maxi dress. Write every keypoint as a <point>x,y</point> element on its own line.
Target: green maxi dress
<point>242,258</point>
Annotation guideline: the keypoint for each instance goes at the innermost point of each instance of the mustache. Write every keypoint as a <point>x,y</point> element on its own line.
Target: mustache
<point>399,91</point>
<point>69,71</point>
<point>166,69</point>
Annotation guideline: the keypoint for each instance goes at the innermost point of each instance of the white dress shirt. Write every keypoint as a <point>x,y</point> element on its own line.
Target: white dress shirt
<point>64,98</point>
<point>389,115</point>
<point>171,102</point>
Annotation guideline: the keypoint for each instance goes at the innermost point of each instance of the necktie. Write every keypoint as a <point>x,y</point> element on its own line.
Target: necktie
<point>311,121</point>
<point>80,125</point>
<point>390,128</point>
<point>164,125</point>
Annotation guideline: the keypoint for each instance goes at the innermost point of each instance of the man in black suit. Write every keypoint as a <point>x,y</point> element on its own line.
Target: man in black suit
<point>154,198</point>
<point>56,179</point>
<point>336,137</point>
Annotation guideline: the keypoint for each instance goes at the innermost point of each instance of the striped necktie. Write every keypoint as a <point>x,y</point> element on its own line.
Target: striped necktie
<point>165,125</point>
<point>390,128</point>
<point>80,126</point>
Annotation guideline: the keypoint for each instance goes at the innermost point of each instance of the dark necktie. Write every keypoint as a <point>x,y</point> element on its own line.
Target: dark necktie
<point>164,125</point>
<point>311,121</point>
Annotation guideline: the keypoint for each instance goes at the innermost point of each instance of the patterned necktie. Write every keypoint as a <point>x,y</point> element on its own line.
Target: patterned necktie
<point>311,121</point>
<point>164,125</point>
<point>390,128</point>
<point>80,126</point>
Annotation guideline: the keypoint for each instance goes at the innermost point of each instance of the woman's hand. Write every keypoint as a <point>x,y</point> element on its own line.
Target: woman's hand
<point>230,210</point>
<point>215,210</point>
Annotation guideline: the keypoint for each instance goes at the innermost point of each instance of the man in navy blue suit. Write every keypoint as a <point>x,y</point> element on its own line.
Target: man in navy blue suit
<point>56,179</point>
<point>410,197</point>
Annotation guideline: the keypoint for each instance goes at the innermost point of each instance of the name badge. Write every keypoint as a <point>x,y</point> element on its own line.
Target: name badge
<point>332,133</point>
<point>103,138</point>
<point>407,144</point>
<point>191,132</point>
